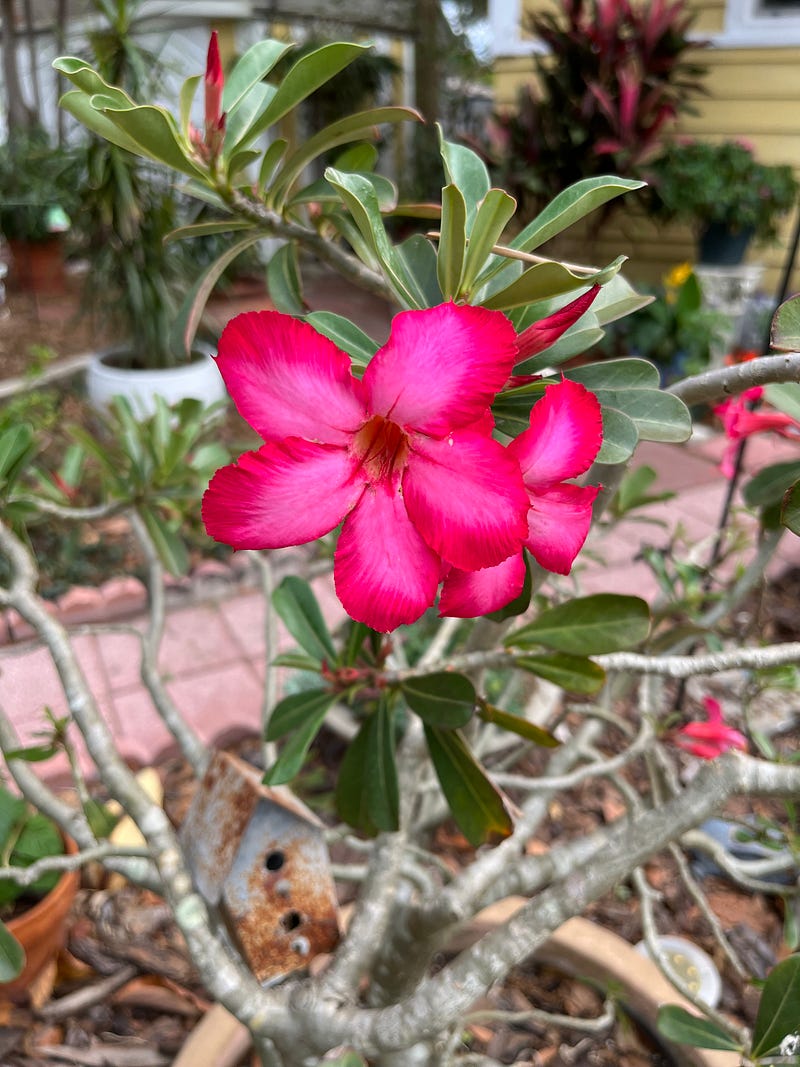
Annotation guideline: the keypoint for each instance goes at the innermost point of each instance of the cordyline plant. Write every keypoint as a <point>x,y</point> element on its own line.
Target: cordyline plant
<point>613,77</point>
<point>438,470</point>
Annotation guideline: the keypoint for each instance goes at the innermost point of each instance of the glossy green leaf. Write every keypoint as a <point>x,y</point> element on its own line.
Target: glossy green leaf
<point>307,74</point>
<point>240,122</point>
<point>620,437</point>
<point>476,803</point>
<point>790,509</point>
<point>167,542</point>
<point>367,794</point>
<point>300,715</point>
<point>576,674</point>
<point>617,299</point>
<point>677,1024</point>
<point>515,724</point>
<point>785,335</point>
<point>357,633</point>
<point>617,374</point>
<point>38,839</point>
<point>12,812</point>
<point>770,484</point>
<point>587,626</point>
<point>494,213</point>
<point>32,753</point>
<point>152,129</point>
<point>297,661</point>
<point>12,955</point>
<point>78,105</point>
<point>545,280</point>
<point>186,100</point>
<point>570,206</point>
<point>88,81</point>
<point>441,699</point>
<point>362,125</point>
<point>779,1010</point>
<point>297,606</point>
<point>190,312</point>
<point>206,229</point>
<point>785,396</point>
<point>345,334</point>
<point>467,171</point>
<point>320,192</point>
<point>283,281</point>
<point>272,157</point>
<point>452,241</point>
<point>421,263</point>
<point>359,196</point>
<point>249,70</point>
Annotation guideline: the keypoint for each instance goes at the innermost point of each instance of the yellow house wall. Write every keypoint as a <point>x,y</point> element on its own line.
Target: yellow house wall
<point>753,93</point>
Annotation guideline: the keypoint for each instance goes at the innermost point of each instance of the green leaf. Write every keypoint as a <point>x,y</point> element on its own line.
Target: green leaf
<point>421,262</point>
<point>617,374</point>
<point>790,509</point>
<point>272,157</point>
<point>38,838</point>
<point>186,99</point>
<point>345,334</point>
<point>249,70</point>
<point>78,105</point>
<point>785,396</point>
<point>620,437</point>
<point>321,192</point>
<point>576,674</point>
<point>441,699</point>
<point>494,213</point>
<point>677,1024</point>
<point>515,724</point>
<point>359,196</point>
<point>355,127</point>
<point>545,280</point>
<point>283,281</point>
<point>778,1014</point>
<point>301,715</point>
<point>467,171</point>
<point>785,335</point>
<point>152,129</point>
<point>206,229</point>
<point>17,446</point>
<point>240,122</point>
<point>297,661</point>
<point>520,603</point>
<point>12,955</point>
<point>297,606</point>
<point>167,542</point>
<point>367,794</point>
<point>587,626</point>
<point>477,804</point>
<point>570,206</point>
<point>452,241</point>
<point>770,484</point>
<point>307,74</point>
<point>12,812</point>
<point>188,318</point>
<point>33,753</point>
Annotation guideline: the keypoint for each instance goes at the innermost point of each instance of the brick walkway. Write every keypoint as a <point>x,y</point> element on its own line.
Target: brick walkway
<point>214,652</point>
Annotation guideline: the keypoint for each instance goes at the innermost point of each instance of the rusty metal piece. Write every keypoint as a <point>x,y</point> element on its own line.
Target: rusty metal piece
<point>258,855</point>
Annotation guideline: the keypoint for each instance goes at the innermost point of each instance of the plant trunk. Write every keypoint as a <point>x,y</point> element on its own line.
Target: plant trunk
<point>20,115</point>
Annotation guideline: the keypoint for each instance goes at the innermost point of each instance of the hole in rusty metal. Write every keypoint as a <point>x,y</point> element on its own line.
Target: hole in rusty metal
<point>291,920</point>
<point>274,861</point>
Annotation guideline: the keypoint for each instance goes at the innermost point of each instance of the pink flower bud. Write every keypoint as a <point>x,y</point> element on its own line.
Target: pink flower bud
<point>214,84</point>
<point>711,738</point>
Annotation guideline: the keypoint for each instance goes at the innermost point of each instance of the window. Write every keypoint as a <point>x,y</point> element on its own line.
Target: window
<point>760,23</point>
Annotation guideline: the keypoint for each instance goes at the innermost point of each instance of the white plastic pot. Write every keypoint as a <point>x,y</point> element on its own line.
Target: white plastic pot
<point>199,379</point>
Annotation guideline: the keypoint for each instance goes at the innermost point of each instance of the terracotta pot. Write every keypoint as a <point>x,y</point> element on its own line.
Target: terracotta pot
<point>41,930</point>
<point>38,266</point>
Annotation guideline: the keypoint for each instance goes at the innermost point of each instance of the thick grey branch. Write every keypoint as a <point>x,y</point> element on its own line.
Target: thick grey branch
<point>712,663</point>
<point>730,381</point>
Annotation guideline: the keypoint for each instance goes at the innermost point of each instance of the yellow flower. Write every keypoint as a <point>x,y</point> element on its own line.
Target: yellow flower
<point>678,275</point>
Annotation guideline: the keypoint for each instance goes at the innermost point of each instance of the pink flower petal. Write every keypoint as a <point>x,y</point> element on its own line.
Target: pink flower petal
<point>465,496</point>
<point>385,574</point>
<point>565,435</point>
<point>558,523</point>
<point>287,380</point>
<point>440,368</point>
<point>467,594</point>
<point>284,494</point>
<point>545,332</point>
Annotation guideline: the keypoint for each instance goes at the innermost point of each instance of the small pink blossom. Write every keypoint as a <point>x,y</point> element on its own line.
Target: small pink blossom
<point>404,457</point>
<point>711,738</point>
<point>739,421</point>
<point>562,442</point>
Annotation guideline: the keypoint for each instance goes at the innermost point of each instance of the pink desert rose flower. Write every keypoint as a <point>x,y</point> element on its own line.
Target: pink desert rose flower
<point>404,457</point>
<point>711,738</point>
<point>564,437</point>
<point>739,421</point>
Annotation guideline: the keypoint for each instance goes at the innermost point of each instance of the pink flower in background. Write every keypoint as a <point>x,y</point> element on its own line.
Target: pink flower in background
<point>711,738</point>
<point>565,435</point>
<point>404,457</point>
<point>738,421</point>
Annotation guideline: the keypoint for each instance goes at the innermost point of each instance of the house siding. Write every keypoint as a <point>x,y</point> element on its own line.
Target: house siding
<point>752,93</point>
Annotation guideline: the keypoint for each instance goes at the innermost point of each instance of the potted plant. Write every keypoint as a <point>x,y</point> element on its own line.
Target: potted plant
<point>724,193</point>
<point>38,185</point>
<point>32,917</point>
<point>136,280</point>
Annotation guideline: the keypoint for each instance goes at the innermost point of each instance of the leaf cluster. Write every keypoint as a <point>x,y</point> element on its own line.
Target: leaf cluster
<point>36,177</point>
